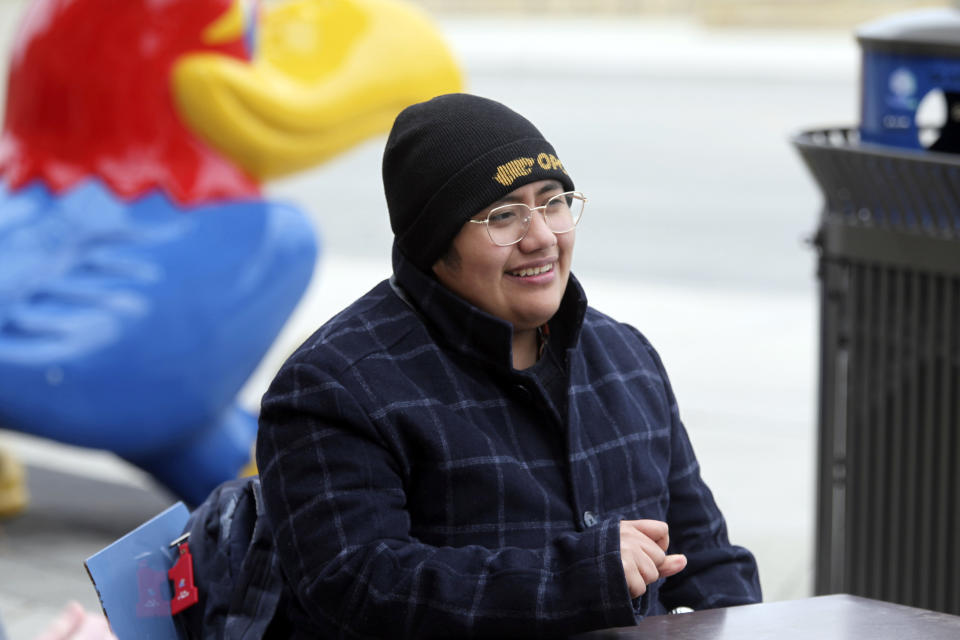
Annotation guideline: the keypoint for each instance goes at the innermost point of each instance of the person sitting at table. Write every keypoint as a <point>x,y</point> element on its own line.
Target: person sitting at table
<point>469,449</point>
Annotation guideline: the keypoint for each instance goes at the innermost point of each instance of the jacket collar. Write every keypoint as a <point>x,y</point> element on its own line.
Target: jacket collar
<point>469,330</point>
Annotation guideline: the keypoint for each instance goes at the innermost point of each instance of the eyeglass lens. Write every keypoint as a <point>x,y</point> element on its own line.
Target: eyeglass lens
<point>509,223</point>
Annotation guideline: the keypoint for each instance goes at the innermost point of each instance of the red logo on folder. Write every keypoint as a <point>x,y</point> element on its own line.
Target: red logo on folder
<point>181,574</point>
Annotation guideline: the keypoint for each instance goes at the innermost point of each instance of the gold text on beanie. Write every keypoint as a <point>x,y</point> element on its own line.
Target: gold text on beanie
<point>509,172</point>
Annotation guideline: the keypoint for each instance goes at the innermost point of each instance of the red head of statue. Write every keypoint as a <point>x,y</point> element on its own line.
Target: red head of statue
<point>89,95</point>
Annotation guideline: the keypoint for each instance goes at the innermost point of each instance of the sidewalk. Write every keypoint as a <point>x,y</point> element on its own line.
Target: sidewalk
<point>71,516</point>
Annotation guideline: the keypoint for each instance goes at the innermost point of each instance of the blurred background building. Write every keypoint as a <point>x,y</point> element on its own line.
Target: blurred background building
<point>758,13</point>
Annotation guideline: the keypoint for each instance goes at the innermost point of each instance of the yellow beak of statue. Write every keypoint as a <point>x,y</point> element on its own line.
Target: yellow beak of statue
<point>326,74</point>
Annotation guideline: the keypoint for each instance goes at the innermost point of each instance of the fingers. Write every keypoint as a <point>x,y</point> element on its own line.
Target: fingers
<point>656,530</point>
<point>639,571</point>
<point>63,626</point>
<point>635,582</point>
<point>94,627</point>
<point>633,539</point>
<point>639,556</point>
<point>672,565</point>
<point>642,552</point>
<point>74,623</point>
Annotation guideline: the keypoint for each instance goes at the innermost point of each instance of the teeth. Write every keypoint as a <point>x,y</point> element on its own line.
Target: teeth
<point>535,271</point>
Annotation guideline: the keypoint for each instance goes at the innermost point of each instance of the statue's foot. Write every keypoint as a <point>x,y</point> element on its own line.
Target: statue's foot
<point>205,458</point>
<point>250,469</point>
<point>13,485</point>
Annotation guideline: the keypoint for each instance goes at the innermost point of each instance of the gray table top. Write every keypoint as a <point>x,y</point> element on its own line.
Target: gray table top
<point>836,617</point>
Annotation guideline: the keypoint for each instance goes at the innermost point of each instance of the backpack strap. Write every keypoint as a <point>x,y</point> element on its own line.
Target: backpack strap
<point>236,569</point>
<point>260,583</point>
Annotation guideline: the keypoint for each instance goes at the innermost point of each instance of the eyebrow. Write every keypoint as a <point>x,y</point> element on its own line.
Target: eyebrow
<point>553,185</point>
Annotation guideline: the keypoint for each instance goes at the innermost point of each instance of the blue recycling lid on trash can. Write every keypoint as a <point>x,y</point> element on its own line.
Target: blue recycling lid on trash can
<point>911,66</point>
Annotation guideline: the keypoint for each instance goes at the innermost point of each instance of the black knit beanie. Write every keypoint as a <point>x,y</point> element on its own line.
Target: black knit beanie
<point>449,158</point>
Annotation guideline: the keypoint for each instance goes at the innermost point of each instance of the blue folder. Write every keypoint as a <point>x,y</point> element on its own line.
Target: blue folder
<point>130,576</point>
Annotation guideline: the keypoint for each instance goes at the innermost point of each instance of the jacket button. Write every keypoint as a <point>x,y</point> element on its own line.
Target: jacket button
<point>589,519</point>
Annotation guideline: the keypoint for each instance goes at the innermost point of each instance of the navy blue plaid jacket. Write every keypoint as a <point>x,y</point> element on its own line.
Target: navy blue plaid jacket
<point>419,486</point>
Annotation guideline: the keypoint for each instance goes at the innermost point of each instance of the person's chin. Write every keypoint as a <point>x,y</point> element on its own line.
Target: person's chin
<point>535,315</point>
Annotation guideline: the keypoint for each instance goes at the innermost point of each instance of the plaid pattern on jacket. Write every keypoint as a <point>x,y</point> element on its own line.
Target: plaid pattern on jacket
<point>418,486</point>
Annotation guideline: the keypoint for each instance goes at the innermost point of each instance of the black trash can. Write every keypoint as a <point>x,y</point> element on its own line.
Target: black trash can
<point>888,515</point>
<point>888,522</point>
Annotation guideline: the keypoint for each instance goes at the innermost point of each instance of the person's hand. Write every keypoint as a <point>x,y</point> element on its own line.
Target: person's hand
<point>74,623</point>
<point>643,547</point>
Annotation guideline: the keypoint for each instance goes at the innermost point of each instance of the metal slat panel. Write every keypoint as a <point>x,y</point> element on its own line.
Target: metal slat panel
<point>939,548</point>
<point>894,514</point>
<point>857,444</point>
<point>953,465</point>
<point>909,183</point>
<point>880,477</point>
<point>861,446</point>
<point>942,204</point>
<point>839,550</point>
<point>952,188</point>
<point>908,217</point>
<point>926,462</point>
<point>909,449</point>
<point>826,559</point>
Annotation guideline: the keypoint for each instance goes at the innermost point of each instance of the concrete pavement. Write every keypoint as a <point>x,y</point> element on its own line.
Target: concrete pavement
<point>71,516</point>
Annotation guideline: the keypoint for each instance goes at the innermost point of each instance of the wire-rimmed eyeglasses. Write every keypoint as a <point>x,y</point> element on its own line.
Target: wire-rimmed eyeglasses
<point>508,224</point>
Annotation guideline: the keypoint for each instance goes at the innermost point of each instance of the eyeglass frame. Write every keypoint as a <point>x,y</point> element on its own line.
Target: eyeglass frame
<point>542,209</point>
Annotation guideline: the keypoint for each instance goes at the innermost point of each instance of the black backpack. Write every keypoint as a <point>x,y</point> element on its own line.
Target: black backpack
<point>235,566</point>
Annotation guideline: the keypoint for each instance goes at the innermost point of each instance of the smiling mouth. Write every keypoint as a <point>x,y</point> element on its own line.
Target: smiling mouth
<point>532,271</point>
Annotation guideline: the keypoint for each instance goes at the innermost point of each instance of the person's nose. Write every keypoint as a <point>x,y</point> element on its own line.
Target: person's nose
<point>539,236</point>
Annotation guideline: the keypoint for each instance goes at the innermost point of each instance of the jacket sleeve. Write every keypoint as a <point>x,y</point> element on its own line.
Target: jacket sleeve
<point>718,574</point>
<point>335,495</point>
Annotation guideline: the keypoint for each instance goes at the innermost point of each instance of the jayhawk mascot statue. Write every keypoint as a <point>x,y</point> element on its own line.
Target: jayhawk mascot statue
<point>143,275</point>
